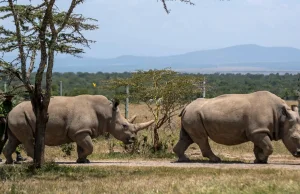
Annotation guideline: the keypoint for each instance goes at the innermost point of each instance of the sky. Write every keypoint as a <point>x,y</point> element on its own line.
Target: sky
<point>143,28</point>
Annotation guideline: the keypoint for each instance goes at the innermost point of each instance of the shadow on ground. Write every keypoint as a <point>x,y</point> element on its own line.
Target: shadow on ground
<point>207,161</point>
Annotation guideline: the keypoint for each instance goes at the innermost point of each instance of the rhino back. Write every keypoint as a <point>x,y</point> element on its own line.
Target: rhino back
<point>68,116</point>
<point>230,119</point>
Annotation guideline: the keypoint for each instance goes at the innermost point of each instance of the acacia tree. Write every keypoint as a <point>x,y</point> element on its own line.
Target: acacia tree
<point>40,30</point>
<point>163,91</point>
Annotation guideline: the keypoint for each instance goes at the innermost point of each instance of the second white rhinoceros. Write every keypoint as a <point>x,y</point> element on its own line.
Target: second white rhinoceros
<point>71,119</point>
<point>233,119</point>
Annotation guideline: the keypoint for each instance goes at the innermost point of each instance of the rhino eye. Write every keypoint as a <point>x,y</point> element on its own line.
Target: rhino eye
<point>125,126</point>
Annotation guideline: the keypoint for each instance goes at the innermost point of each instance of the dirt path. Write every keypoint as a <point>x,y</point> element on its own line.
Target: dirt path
<point>241,162</point>
<point>273,164</point>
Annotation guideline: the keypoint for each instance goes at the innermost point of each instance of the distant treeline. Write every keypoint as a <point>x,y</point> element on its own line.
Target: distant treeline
<point>284,86</point>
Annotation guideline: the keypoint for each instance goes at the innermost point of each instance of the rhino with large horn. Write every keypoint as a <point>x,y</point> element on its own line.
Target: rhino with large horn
<point>233,119</point>
<point>71,119</point>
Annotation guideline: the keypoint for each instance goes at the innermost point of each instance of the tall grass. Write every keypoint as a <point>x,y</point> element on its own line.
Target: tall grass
<point>63,179</point>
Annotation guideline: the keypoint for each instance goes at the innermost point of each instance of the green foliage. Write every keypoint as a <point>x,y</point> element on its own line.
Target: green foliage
<point>45,29</point>
<point>144,148</point>
<point>164,91</point>
<point>284,86</point>
<point>40,28</point>
<point>30,18</point>
<point>67,148</point>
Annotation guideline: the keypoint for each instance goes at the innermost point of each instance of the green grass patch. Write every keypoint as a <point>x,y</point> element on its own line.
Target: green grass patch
<point>124,155</point>
<point>53,178</point>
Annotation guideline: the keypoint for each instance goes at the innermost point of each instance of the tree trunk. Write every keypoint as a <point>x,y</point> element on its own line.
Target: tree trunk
<point>156,139</point>
<point>41,121</point>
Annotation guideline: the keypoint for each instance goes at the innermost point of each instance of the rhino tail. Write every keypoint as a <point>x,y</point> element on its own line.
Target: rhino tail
<point>4,137</point>
<point>28,123</point>
<point>184,135</point>
<point>182,111</point>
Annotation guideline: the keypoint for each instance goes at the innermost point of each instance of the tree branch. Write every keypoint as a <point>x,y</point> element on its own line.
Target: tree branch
<point>166,7</point>
<point>72,6</point>
<point>19,38</point>
<point>31,66</point>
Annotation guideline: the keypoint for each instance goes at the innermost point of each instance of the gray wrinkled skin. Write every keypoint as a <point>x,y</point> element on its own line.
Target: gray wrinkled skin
<point>71,119</point>
<point>232,119</point>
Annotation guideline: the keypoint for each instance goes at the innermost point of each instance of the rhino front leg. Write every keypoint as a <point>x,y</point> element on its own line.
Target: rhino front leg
<point>262,148</point>
<point>184,142</point>
<point>84,147</point>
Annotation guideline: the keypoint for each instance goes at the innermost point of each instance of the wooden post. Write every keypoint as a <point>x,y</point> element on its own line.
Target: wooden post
<point>127,102</point>
<point>5,87</point>
<point>60,88</point>
<point>204,92</point>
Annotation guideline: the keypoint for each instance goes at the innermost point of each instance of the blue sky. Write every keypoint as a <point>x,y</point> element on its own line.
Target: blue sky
<point>142,27</point>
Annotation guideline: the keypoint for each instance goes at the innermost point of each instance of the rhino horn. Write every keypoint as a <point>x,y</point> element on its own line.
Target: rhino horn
<point>140,126</point>
<point>131,120</point>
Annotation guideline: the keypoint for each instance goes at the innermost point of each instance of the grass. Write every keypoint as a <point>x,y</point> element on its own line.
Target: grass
<point>63,179</point>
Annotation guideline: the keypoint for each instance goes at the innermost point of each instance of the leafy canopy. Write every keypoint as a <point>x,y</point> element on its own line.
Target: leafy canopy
<point>70,39</point>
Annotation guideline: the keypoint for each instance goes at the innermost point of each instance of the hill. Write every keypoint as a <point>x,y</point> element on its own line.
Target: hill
<point>241,58</point>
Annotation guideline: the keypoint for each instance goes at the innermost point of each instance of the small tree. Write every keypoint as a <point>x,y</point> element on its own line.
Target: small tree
<point>40,30</point>
<point>163,91</point>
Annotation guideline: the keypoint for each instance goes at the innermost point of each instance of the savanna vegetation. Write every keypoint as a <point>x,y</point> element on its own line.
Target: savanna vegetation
<point>54,178</point>
<point>47,24</point>
<point>216,84</point>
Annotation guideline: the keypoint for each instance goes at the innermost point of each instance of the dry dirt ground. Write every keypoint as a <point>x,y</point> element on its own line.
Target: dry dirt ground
<point>275,162</point>
<point>244,161</point>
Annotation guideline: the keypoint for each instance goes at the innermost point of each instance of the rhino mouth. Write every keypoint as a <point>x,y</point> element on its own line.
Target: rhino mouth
<point>130,140</point>
<point>297,153</point>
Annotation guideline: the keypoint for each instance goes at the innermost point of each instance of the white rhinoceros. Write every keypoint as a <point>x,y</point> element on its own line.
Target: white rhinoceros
<point>71,119</point>
<point>233,119</point>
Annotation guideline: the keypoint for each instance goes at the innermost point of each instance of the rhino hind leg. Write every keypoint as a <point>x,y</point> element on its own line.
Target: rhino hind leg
<point>29,147</point>
<point>206,150</point>
<point>10,148</point>
<point>262,148</point>
<point>184,142</point>
<point>84,147</point>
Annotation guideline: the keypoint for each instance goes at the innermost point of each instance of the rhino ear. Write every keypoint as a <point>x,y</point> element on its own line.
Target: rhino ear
<point>295,108</point>
<point>132,119</point>
<point>285,114</point>
<point>116,103</point>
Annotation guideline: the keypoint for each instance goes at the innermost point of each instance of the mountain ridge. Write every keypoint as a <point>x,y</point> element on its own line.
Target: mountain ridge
<point>243,57</point>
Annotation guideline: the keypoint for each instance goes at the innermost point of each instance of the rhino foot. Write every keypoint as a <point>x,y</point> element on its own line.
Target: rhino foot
<point>82,161</point>
<point>17,162</point>
<point>215,160</point>
<point>256,161</point>
<point>183,159</point>
<point>9,162</point>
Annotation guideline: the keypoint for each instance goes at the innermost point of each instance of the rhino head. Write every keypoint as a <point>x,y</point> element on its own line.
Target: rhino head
<point>122,129</point>
<point>291,130</point>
